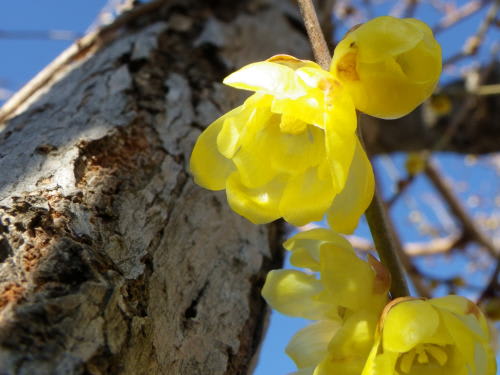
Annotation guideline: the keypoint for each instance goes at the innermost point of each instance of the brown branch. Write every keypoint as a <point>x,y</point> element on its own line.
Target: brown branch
<point>403,185</point>
<point>469,226</point>
<point>492,289</point>
<point>318,42</point>
<point>81,48</point>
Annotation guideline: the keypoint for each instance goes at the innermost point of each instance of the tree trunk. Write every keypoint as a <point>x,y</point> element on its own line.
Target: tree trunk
<point>112,260</point>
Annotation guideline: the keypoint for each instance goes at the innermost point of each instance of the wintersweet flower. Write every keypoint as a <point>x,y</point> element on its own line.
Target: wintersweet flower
<point>346,300</point>
<point>388,65</point>
<point>288,151</point>
<point>440,336</point>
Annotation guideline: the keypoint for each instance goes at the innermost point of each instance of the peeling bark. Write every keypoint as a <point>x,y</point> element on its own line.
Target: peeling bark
<point>112,260</point>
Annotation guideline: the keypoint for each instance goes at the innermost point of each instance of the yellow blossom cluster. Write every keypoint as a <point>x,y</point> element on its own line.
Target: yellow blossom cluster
<point>291,151</point>
<point>355,334</point>
<point>346,299</point>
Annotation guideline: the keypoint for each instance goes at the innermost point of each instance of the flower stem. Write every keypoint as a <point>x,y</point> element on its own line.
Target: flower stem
<point>385,244</point>
<point>375,214</point>
<point>318,42</point>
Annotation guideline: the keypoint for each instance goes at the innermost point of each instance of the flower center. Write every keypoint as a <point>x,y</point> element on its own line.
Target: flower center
<point>423,354</point>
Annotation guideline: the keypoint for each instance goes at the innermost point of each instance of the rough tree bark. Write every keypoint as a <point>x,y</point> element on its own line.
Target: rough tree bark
<point>112,260</point>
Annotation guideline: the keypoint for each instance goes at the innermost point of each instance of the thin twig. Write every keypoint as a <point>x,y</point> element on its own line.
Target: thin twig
<point>469,226</point>
<point>460,14</point>
<point>473,43</point>
<point>318,42</point>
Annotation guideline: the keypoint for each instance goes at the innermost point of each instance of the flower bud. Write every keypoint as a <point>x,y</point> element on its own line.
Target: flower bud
<point>388,65</point>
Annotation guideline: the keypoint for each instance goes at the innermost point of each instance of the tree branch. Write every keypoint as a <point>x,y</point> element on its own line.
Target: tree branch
<point>469,226</point>
<point>318,42</point>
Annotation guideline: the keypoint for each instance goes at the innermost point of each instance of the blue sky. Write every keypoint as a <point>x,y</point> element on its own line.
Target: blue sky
<point>22,59</point>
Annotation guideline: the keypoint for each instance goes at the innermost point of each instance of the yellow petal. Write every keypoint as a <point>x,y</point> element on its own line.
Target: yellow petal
<point>354,199</point>
<point>309,345</point>
<point>348,278</point>
<point>340,140</point>
<point>295,153</point>
<point>209,167</point>
<point>306,198</point>
<point>292,293</point>
<point>305,246</point>
<point>408,324</point>
<point>256,145</point>
<point>292,62</point>
<point>306,108</point>
<point>259,205</point>
<point>349,348</point>
<point>380,37</point>
<point>229,137</point>
<point>266,77</point>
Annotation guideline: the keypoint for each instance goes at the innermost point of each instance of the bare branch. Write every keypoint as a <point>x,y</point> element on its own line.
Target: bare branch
<point>318,42</point>
<point>450,19</point>
<point>470,227</point>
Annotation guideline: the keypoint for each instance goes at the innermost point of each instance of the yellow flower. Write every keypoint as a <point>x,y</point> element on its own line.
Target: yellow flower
<point>440,336</point>
<point>389,66</point>
<point>347,301</point>
<point>288,150</point>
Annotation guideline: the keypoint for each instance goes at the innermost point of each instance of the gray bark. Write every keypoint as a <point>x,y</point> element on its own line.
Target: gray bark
<point>112,260</point>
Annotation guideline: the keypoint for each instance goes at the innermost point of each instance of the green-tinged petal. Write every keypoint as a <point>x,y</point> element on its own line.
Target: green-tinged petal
<point>292,293</point>
<point>349,348</point>
<point>475,350</point>
<point>348,278</point>
<point>466,310</point>
<point>408,324</point>
<point>348,206</point>
<point>306,198</point>
<point>259,205</point>
<point>209,167</point>
<point>382,364</point>
<point>266,77</point>
<point>305,246</point>
<point>309,345</point>
<point>418,64</point>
